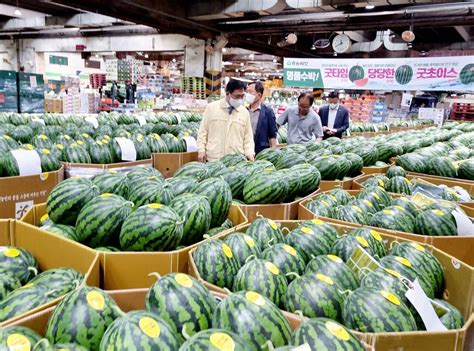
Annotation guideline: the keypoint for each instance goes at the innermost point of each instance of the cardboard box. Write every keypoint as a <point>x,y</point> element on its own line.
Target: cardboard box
<point>89,170</point>
<point>459,291</point>
<point>130,270</point>
<point>18,194</point>
<point>169,163</point>
<point>372,170</point>
<point>283,211</point>
<point>50,251</point>
<point>461,247</point>
<point>326,185</point>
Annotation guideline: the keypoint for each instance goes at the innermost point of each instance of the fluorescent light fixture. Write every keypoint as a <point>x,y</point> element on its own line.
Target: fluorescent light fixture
<point>146,55</point>
<point>17,12</point>
<point>224,49</point>
<point>274,60</point>
<point>369,6</point>
<point>241,64</point>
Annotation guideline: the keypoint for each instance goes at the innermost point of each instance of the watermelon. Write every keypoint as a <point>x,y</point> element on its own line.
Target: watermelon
<point>388,280</point>
<point>320,208</point>
<point>342,196</point>
<point>107,249</point>
<point>18,262</point>
<point>100,153</point>
<point>404,74</point>
<point>76,153</point>
<point>236,180</point>
<point>67,198</point>
<point>377,195</point>
<point>265,232</point>
<point>396,171</point>
<point>182,184</point>
<point>219,196</point>
<point>232,159</point>
<point>441,166</point>
<point>141,145</point>
<point>262,277</point>
<point>242,246</point>
<point>327,166</point>
<point>254,317</point>
<point>452,319</point>
<point>466,169</point>
<point>436,222</point>
<point>66,231</point>
<point>215,168</point>
<point>24,337</point>
<point>394,218</point>
<point>215,231</point>
<point>309,241</point>
<point>315,295</point>
<point>373,238</point>
<point>373,310</point>
<point>82,317</point>
<point>466,75</point>
<point>216,263</point>
<point>182,302</point>
<point>286,258</point>
<point>345,245</point>
<point>197,170</point>
<point>377,180</point>
<point>153,191</point>
<point>407,204</point>
<point>270,154</point>
<point>101,219</point>
<point>59,281</point>
<point>152,227</point>
<point>44,345</point>
<point>351,214</point>
<point>23,300</point>
<point>49,161</point>
<point>214,340</point>
<point>335,268</point>
<point>356,73</point>
<point>326,335</point>
<point>289,159</point>
<point>357,163</point>
<point>112,182</point>
<point>398,184</point>
<point>8,283</point>
<point>137,174</point>
<point>267,187</point>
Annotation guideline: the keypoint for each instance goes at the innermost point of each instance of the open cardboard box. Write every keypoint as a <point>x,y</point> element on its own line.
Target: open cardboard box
<point>461,247</point>
<point>169,163</point>
<point>129,270</point>
<point>50,251</point>
<point>374,169</point>
<point>16,198</point>
<point>459,291</point>
<point>89,170</point>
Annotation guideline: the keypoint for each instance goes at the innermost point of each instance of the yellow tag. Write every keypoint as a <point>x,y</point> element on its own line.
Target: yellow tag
<point>100,143</point>
<point>389,212</point>
<point>255,298</point>
<point>79,142</point>
<point>250,242</point>
<point>272,268</point>
<point>140,138</point>
<point>128,134</point>
<point>29,146</point>
<point>307,230</point>
<point>368,203</point>
<point>325,203</point>
<point>105,141</point>
<point>44,217</point>
<point>399,207</point>
<point>149,327</point>
<point>154,206</point>
<point>44,137</point>
<point>324,278</point>
<point>333,197</point>
<point>183,280</point>
<point>67,137</point>
<point>376,235</point>
<point>338,331</point>
<point>362,241</point>
<point>290,250</point>
<point>392,272</point>
<point>222,341</point>
<point>7,137</point>
<point>11,252</point>
<point>60,146</point>
<point>403,261</point>
<point>390,297</point>
<point>418,247</point>
<point>407,181</point>
<point>273,225</point>
<point>227,250</point>
<point>95,300</point>
<point>106,137</point>
<point>334,258</point>
<point>45,151</point>
<point>85,135</point>
<point>381,182</point>
<point>357,208</point>
<point>18,342</point>
<point>376,196</point>
<point>106,195</point>
<point>438,212</point>
<point>317,221</point>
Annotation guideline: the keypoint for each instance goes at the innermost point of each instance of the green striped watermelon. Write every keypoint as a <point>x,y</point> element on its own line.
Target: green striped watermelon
<point>112,182</point>
<point>407,204</point>
<point>18,262</point>
<point>49,161</point>
<point>466,169</point>
<point>101,219</point>
<point>394,218</point>
<point>156,144</point>
<point>396,171</point>
<point>219,196</point>
<point>373,238</point>
<point>309,178</point>
<point>286,258</point>
<point>373,310</point>
<point>67,199</point>
<point>100,153</point>
<point>197,170</point>
<point>345,245</point>
<point>182,302</point>
<point>328,167</point>
<point>44,345</point>
<point>441,166</point>
<point>377,180</point>
<point>216,263</point>
<point>8,283</point>
<point>242,246</point>
<point>236,179</point>
<point>214,340</point>
<point>59,280</point>
<point>453,319</point>
<point>435,222</point>
<point>255,318</point>
<point>335,268</point>
<point>351,214</point>
<point>398,184</point>
<point>215,168</point>
<point>232,159</point>
<point>23,300</point>
<point>265,232</point>
<point>76,153</point>
<point>320,208</point>
<point>138,174</point>
<point>267,187</point>
<point>342,196</point>
<point>324,334</point>
<point>262,277</point>
<point>66,231</point>
<point>107,249</point>
<point>404,74</point>
<point>82,317</point>
<point>24,337</point>
<point>309,241</point>
<point>377,195</point>
<point>270,154</point>
<point>182,184</point>
<point>357,163</point>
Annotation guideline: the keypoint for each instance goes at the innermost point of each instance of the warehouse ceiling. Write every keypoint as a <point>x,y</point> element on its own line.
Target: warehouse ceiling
<point>261,26</point>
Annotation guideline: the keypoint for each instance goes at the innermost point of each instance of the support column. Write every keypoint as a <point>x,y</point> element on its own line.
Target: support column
<point>214,74</point>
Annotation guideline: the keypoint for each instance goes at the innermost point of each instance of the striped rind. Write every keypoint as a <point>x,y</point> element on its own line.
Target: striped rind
<point>202,341</point>
<point>242,247</point>
<point>22,266</point>
<point>431,223</point>
<point>112,183</point>
<point>281,255</point>
<point>265,232</point>
<point>265,188</point>
<point>219,196</point>
<point>308,243</point>
<point>22,300</point>
<point>334,268</point>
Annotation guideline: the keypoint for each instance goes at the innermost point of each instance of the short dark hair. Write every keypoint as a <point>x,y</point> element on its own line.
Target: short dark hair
<point>258,87</point>
<point>308,96</point>
<point>234,85</point>
<point>333,95</point>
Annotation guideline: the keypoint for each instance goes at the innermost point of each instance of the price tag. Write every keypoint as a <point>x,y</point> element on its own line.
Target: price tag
<point>422,304</point>
<point>129,153</point>
<point>361,262</point>
<point>348,132</point>
<point>376,129</point>
<point>463,223</point>
<point>141,120</point>
<point>304,347</point>
<point>178,117</point>
<point>28,161</point>
<point>191,144</point>
<point>33,82</point>
<point>93,121</point>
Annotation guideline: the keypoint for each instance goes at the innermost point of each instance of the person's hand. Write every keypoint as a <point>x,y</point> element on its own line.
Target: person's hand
<point>202,157</point>
<point>250,157</point>
<point>333,131</point>
<point>325,129</point>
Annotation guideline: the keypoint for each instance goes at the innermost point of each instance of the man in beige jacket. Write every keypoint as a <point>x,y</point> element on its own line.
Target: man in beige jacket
<point>226,127</point>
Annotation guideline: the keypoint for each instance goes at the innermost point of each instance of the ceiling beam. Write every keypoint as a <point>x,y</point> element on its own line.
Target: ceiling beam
<point>463,32</point>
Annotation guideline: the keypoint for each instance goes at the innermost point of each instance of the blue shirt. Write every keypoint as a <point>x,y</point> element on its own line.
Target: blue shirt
<point>301,128</point>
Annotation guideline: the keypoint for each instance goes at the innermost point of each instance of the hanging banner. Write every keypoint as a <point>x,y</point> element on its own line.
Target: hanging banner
<point>424,73</point>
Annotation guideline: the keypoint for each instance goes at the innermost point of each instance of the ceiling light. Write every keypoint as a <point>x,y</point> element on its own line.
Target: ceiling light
<point>17,12</point>
<point>335,54</point>
<point>313,47</point>
<point>251,56</point>
<point>241,64</point>
<point>146,55</point>
<point>96,55</point>
<point>274,60</point>
<point>174,60</point>
<point>236,69</point>
<point>369,6</point>
<point>224,49</point>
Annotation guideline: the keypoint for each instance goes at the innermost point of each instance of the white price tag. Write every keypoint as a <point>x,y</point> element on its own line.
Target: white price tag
<point>178,116</point>
<point>406,100</point>
<point>464,224</point>
<point>463,194</point>
<point>304,347</point>
<point>422,304</point>
<point>129,153</point>
<point>93,121</point>
<point>348,132</point>
<point>376,129</point>
<point>191,144</point>
<point>29,162</point>
<point>39,120</point>
<point>33,82</point>
<point>141,119</point>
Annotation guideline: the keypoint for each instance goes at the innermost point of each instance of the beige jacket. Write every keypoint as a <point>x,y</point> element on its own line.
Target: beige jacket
<point>221,134</point>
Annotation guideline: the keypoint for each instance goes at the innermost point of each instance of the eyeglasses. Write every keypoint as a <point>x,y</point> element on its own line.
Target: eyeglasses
<point>237,96</point>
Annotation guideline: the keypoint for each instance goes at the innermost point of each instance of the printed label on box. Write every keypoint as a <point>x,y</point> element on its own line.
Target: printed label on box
<point>22,207</point>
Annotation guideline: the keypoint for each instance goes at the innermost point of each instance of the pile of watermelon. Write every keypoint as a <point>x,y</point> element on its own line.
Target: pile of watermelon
<point>356,127</point>
<point>305,270</point>
<point>375,207</point>
<point>73,139</point>
<point>138,211</point>
<point>24,288</point>
<point>181,314</point>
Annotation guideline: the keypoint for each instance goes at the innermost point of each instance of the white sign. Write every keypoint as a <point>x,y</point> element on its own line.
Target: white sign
<point>434,114</point>
<point>28,161</point>
<point>463,223</point>
<point>141,119</point>
<point>191,144</point>
<point>127,147</point>
<point>406,100</point>
<point>93,121</point>
<point>33,82</point>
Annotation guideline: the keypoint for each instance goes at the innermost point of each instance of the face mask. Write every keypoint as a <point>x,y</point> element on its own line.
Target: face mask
<point>333,106</point>
<point>250,98</point>
<point>236,103</point>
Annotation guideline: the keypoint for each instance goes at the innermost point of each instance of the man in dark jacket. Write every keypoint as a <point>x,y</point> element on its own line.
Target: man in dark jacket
<point>334,117</point>
<point>262,117</point>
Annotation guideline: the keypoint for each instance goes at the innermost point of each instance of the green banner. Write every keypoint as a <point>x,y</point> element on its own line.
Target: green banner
<point>303,77</point>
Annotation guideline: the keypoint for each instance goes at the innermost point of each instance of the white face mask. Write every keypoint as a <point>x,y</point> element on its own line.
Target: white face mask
<point>236,103</point>
<point>250,98</point>
<point>333,106</point>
